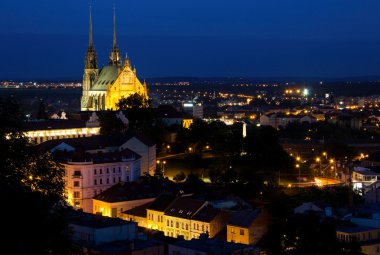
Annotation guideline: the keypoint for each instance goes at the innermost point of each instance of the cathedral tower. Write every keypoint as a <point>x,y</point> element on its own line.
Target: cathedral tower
<point>114,59</point>
<point>91,70</point>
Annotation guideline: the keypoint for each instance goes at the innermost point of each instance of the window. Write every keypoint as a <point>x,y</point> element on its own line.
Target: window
<point>95,182</point>
<point>101,181</point>
<point>76,194</point>
<point>177,225</point>
<point>108,181</point>
<point>241,232</point>
<point>119,169</point>
<point>167,223</point>
<point>76,184</point>
<point>187,226</point>
<point>183,225</point>
<point>114,179</point>
<point>119,179</point>
<point>77,173</point>
<point>171,223</point>
<point>108,171</point>
<point>113,170</point>
<point>95,171</point>
<point>101,171</point>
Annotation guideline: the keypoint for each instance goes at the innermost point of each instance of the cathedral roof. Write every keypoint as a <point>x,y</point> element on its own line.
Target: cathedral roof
<point>108,75</point>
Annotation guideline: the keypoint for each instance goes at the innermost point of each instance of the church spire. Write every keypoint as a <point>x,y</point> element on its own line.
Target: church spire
<point>91,61</point>
<point>90,43</point>
<point>114,28</point>
<point>114,58</point>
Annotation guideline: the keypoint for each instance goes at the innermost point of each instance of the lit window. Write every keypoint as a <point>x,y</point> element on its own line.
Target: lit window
<point>76,194</point>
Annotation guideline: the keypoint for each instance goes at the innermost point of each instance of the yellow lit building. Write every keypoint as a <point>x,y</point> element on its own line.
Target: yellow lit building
<point>102,89</point>
<point>246,227</point>
<point>186,123</point>
<point>178,216</point>
<point>42,131</point>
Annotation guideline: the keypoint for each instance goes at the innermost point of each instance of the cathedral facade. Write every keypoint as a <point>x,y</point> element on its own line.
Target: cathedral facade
<point>102,89</point>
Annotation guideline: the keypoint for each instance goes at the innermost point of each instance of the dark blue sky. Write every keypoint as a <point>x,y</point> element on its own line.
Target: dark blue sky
<point>45,39</point>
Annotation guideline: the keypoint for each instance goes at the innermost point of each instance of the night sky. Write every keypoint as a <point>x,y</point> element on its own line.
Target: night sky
<point>47,39</point>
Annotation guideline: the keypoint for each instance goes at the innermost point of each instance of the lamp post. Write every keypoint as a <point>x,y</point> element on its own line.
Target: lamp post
<point>319,161</point>
<point>299,172</point>
<point>162,166</point>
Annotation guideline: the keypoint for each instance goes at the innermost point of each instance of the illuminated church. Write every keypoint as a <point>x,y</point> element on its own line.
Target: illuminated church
<point>102,89</point>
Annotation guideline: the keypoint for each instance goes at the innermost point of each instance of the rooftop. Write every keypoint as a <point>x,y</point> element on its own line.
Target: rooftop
<point>136,190</point>
<point>184,207</point>
<point>95,221</point>
<point>243,218</point>
<point>95,142</point>
<point>53,124</point>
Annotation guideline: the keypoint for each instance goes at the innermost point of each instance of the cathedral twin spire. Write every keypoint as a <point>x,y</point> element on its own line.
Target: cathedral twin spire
<point>114,59</point>
<point>91,61</point>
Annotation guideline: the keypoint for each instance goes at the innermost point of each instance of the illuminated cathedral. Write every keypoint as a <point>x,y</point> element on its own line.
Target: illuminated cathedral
<point>102,89</point>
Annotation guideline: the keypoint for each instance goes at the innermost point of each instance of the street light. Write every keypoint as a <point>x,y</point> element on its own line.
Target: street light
<point>299,172</point>
<point>319,161</point>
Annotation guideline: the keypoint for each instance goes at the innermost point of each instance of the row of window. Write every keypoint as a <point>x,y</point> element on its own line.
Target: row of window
<point>241,231</point>
<point>107,170</point>
<point>107,181</point>
<point>160,218</point>
<point>357,237</point>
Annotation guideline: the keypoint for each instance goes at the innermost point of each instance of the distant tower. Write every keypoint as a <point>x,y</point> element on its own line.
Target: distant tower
<point>114,59</point>
<point>91,70</point>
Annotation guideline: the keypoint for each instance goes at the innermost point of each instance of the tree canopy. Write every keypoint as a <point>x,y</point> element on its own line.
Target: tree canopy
<point>32,192</point>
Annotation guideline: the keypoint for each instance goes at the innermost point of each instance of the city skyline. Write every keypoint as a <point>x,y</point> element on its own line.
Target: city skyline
<point>212,39</point>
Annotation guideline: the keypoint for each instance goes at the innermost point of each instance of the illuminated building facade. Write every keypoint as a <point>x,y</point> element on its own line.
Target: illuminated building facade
<point>102,89</point>
<point>42,131</point>
<point>178,216</point>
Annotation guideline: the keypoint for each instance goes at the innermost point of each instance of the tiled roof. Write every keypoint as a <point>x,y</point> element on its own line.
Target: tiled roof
<point>206,214</point>
<point>139,211</point>
<point>96,158</point>
<point>184,207</point>
<point>243,218</point>
<point>107,76</point>
<point>95,142</point>
<point>162,202</point>
<point>136,190</point>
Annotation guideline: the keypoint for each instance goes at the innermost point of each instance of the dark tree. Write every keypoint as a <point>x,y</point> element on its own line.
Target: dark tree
<point>31,193</point>
<point>133,101</point>
<point>110,124</point>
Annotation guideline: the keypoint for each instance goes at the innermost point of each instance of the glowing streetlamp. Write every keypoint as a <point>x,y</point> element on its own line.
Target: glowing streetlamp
<point>319,161</point>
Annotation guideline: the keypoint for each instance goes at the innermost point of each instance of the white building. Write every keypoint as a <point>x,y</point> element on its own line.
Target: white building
<point>94,164</point>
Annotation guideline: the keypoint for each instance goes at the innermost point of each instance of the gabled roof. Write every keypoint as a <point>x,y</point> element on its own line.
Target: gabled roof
<point>95,142</point>
<point>206,214</point>
<point>243,218</point>
<point>108,75</point>
<point>126,191</point>
<point>162,202</point>
<point>68,157</point>
<point>139,211</point>
<point>184,207</point>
